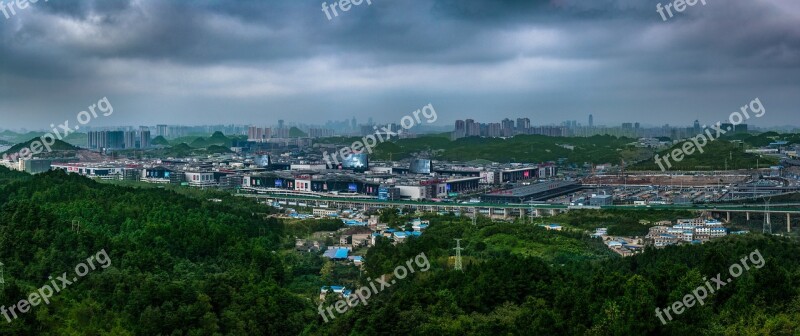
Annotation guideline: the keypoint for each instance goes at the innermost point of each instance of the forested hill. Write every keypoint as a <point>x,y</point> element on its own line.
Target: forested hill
<point>179,265</point>
<point>501,293</point>
<point>184,265</point>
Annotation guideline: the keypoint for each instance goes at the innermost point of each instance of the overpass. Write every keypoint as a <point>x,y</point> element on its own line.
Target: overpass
<point>506,211</point>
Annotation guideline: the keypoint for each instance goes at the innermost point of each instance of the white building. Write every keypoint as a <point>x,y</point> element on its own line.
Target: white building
<point>415,193</point>
<point>200,179</point>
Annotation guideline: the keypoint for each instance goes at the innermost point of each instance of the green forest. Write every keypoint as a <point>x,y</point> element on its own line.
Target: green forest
<point>578,150</point>
<point>183,264</point>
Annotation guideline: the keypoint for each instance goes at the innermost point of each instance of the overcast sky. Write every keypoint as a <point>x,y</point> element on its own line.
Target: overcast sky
<point>256,61</point>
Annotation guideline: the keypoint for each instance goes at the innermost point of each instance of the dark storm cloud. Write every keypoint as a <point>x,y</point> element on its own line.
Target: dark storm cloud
<point>185,61</point>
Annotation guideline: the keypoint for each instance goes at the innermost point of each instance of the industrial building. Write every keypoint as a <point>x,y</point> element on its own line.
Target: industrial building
<point>534,192</point>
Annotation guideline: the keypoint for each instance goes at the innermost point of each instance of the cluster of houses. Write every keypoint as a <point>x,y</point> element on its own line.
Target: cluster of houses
<point>694,231</point>
<point>665,233</point>
<point>342,291</point>
<point>358,234</point>
<point>624,246</point>
<point>347,242</point>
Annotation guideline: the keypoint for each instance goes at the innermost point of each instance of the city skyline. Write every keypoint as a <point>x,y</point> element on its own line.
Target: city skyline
<point>253,62</point>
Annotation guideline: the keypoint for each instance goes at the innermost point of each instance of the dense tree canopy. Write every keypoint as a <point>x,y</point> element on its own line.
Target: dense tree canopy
<point>184,265</point>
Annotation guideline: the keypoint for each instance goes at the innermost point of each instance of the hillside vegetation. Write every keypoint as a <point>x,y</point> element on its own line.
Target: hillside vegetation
<point>521,148</point>
<point>577,150</point>
<point>717,155</point>
<point>184,265</point>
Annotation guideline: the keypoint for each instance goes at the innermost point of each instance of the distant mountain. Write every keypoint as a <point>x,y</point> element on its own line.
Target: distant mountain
<point>217,149</point>
<point>76,139</point>
<point>160,141</point>
<point>218,138</point>
<point>179,150</point>
<point>57,146</point>
<point>15,137</point>
<point>295,132</point>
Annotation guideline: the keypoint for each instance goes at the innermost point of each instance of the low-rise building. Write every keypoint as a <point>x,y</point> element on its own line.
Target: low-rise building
<point>696,230</point>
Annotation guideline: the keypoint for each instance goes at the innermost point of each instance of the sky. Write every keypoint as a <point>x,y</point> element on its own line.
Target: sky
<point>256,61</point>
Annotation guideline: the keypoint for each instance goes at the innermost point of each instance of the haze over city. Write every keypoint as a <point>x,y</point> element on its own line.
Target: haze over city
<point>253,62</point>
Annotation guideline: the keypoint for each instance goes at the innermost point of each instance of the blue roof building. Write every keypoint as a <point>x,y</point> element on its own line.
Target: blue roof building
<point>336,253</point>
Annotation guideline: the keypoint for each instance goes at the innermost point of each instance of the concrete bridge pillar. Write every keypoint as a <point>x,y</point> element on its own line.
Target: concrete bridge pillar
<point>729,216</point>
<point>505,213</point>
<point>538,213</point>
<point>788,222</point>
<point>748,215</point>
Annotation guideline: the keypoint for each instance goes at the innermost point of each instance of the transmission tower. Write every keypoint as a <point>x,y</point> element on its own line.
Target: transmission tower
<point>767,223</point>
<point>474,216</point>
<point>2,279</point>
<point>459,266</point>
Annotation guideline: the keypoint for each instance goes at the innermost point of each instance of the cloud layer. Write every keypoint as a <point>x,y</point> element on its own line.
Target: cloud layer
<point>255,61</point>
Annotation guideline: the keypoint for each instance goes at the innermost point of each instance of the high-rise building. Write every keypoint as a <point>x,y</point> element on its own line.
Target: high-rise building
<point>280,133</point>
<point>92,139</point>
<point>591,120</point>
<point>144,139</point>
<point>116,139</point>
<point>472,128</point>
<point>107,139</point>
<point>367,129</point>
<point>494,130</point>
<point>507,127</point>
<point>258,134</point>
<point>461,130</point>
<point>523,124</point>
<point>177,131</point>
<point>162,130</point>
<point>320,132</point>
<point>130,139</point>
